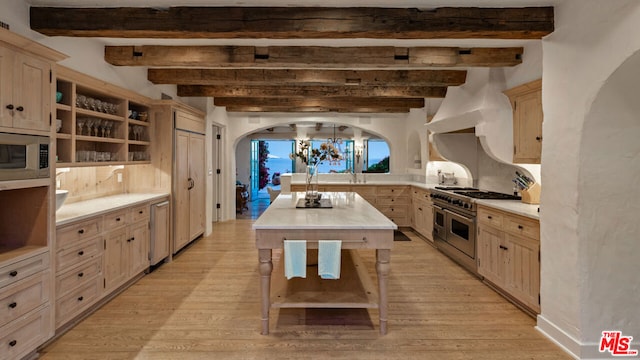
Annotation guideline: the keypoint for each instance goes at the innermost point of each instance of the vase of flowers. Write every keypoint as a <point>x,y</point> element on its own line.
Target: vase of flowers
<point>312,158</point>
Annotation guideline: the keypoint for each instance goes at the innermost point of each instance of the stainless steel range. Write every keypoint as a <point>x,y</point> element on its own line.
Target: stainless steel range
<point>454,221</point>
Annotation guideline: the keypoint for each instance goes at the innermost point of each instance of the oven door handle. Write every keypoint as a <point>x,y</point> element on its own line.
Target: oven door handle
<point>471,220</point>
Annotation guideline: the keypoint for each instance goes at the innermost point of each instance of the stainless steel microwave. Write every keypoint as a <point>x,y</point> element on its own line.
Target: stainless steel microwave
<point>23,157</point>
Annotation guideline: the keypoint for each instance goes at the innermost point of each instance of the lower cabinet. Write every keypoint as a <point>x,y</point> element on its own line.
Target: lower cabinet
<point>509,255</point>
<point>422,212</point>
<point>98,255</point>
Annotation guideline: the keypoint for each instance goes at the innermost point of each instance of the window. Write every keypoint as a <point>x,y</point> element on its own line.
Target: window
<point>377,156</point>
<point>347,158</point>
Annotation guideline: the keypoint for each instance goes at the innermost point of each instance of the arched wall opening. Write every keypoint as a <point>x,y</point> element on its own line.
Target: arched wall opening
<point>609,206</point>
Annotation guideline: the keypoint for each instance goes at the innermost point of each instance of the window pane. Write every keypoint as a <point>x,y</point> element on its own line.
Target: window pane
<point>377,156</point>
<point>347,158</point>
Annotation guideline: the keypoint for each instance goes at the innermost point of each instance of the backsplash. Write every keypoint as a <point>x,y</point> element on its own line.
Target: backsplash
<point>85,183</point>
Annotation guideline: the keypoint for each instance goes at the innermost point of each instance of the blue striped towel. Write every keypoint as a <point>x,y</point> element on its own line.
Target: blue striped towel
<point>295,258</point>
<point>329,252</point>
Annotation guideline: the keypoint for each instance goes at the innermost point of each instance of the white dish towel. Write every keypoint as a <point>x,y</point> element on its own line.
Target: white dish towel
<point>295,258</point>
<point>329,254</point>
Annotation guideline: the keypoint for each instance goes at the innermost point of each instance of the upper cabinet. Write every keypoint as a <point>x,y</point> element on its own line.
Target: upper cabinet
<point>99,123</point>
<point>25,84</point>
<point>526,101</point>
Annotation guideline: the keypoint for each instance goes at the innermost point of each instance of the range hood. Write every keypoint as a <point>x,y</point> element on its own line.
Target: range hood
<point>487,153</point>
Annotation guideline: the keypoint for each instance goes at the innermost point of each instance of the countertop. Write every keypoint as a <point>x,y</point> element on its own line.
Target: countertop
<point>513,206</point>
<point>516,207</point>
<point>349,211</point>
<point>85,209</point>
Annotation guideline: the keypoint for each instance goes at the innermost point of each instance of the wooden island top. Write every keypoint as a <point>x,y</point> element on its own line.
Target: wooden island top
<point>351,219</point>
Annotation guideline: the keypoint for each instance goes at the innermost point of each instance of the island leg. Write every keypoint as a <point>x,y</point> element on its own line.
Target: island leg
<point>265,267</point>
<point>383,267</point>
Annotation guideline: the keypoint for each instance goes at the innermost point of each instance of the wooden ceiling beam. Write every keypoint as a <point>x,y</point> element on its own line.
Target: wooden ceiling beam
<point>311,56</point>
<point>367,104</point>
<point>295,22</point>
<point>311,91</point>
<point>316,109</point>
<point>317,77</point>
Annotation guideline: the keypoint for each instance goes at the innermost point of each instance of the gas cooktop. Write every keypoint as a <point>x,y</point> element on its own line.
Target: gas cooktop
<point>488,195</point>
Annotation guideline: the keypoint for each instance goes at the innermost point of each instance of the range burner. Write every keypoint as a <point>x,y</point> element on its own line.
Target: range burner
<point>488,195</point>
<point>454,188</point>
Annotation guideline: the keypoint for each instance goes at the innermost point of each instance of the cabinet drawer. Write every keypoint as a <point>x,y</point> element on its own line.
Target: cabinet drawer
<point>79,276</point>
<point>522,226</point>
<point>334,188</point>
<point>139,213</point>
<point>420,194</point>
<point>72,234</point>
<point>11,273</point>
<point>490,217</point>
<point>77,301</point>
<point>115,220</point>
<point>392,200</point>
<point>393,191</point>
<point>74,255</point>
<point>394,211</point>
<point>25,335</point>
<point>367,192</point>
<point>24,296</point>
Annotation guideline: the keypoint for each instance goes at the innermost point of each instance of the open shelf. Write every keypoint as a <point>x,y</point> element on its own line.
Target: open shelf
<point>87,100</point>
<point>354,288</point>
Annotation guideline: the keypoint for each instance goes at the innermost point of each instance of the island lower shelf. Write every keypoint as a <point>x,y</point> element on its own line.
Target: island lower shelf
<point>354,288</point>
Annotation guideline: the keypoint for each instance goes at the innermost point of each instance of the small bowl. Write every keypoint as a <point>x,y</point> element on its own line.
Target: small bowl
<point>61,196</point>
<point>58,96</point>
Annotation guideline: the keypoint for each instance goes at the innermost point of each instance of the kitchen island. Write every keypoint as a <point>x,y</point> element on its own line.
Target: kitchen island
<point>351,219</point>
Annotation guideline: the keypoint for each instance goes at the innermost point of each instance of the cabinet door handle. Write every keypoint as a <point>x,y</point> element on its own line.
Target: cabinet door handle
<point>12,343</point>
<point>539,138</point>
<point>520,227</point>
<point>10,106</point>
<point>14,273</point>
<point>489,217</point>
<point>13,305</point>
<point>504,247</point>
<point>117,219</point>
<point>81,231</point>
<point>81,252</point>
<point>81,298</point>
<point>80,274</point>
<point>20,108</point>
<point>420,209</point>
<point>141,212</point>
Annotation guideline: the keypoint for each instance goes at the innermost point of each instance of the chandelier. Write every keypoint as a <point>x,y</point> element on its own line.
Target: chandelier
<point>337,144</point>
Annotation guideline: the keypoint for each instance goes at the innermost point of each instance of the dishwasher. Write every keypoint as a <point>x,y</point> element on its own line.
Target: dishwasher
<point>160,232</point>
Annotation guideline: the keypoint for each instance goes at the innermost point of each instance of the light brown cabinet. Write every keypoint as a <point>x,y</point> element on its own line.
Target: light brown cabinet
<point>422,217</point>
<point>25,91</point>
<point>509,255</point>
<point>526,101</point>
<point>160,246</point>
<point>101,124</point>
<point>189,185</point>
<point>126,249</point>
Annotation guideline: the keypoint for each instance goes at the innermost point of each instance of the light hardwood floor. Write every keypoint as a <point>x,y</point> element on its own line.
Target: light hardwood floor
<point>205,305</point>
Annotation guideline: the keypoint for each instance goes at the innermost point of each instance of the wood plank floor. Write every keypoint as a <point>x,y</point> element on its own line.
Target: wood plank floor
<point>205,305</point>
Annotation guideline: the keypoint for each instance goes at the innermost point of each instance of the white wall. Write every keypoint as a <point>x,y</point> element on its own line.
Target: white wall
<point>589,221</point>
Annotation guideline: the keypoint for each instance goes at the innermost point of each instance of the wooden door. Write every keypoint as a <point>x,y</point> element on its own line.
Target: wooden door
<point>181,189</point>
<point>197,171</point>
<point>115,259</point>
<point>523,270</point>
<point>6,86</point>
<point>32,93</point>
<point>138,245</point>
<point>491,254</point>
<point>160,232</point>
<point>527,128</point>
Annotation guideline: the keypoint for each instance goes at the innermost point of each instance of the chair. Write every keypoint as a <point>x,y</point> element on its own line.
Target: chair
<point>272,193</point>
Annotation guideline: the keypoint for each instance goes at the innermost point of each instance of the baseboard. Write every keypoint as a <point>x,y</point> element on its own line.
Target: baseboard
<point>565,341</point>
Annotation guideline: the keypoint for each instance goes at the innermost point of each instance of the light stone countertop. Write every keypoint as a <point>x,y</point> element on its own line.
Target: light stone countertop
<point>349,211</point>
<point>513,206</point>
<point>81,210</point>
<point>516,207</point>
